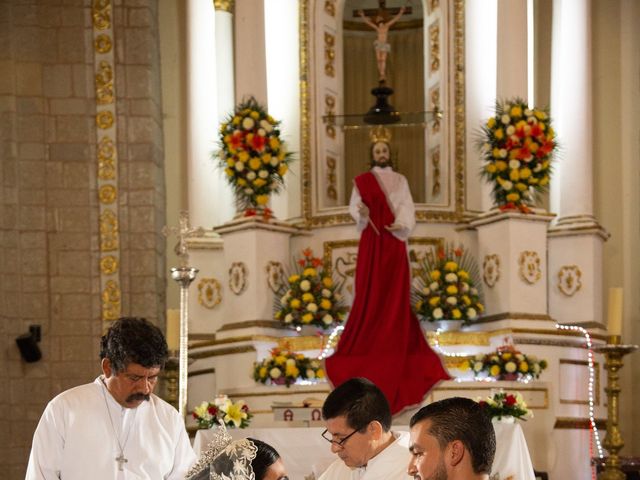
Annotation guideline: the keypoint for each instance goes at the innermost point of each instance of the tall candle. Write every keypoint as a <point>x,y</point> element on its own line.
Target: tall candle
<point>614,321</point>
<point>173,329</point>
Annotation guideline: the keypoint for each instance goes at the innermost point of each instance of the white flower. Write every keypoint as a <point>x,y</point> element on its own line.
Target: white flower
<point>275,372</point>
<point>288,318</point>
<point>266,125</point>
<point>471,313</point>
<point>263,174</point>
<point>437,313</point>
<point>310,373</point>
<point>433,286</point>
<point>312,307</point>
<point>511,130</point>
<point>537,168</point>
<point>528,112</point>
<point>305,285</point>
<point>285,298</point>
<point>473,291</point>
<point>251,175</point>
<point>507,185</point>
<point>261,132</point>
<point>451,277</point>
<point>239,166</point>
<point>486,147</point>
<point>327,319</point>
<point>291,362</point>
<point>337,296</point>
<point>326,293</point>
<point>248,123</point>
<point>274,161</point>
<point>503,153</point>
<point>479,356</point>
<point>477,366</point>
<point>426,290</point>
<point>505,119</point>
<point>535,368</point>
<point>464,287</point>
<point>519,357</point>
<point>452,300</point>
<point>510,367</point>
<point>514,164</point>
<point>248,191</point>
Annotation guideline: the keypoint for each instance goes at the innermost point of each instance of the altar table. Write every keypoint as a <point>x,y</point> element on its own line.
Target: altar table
<point>305,452</point>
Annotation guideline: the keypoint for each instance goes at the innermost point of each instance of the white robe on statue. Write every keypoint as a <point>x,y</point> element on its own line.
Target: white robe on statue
<point>75,439</point>
<point>389,464</point>
<point>396,189</point>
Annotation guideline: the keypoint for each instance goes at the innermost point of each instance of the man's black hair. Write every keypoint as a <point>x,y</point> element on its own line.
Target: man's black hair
<point>133,340</point>
<point>458,418</point>
<point>361,402</point>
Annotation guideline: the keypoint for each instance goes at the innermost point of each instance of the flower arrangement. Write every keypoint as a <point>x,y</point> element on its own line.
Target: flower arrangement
<point>252,154</point>
<point>446,287</point>
<point>503,404</point>
<point>507,363</point>
<point>518,147</point>
<point>284,367</point>
<point>222,410</point>
<point>310,298</point>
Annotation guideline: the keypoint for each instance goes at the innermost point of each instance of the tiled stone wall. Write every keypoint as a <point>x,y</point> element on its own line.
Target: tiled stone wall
<point>49,273</point>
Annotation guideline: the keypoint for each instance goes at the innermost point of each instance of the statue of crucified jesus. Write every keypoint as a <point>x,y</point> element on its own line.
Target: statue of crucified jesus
<point>381,45</point>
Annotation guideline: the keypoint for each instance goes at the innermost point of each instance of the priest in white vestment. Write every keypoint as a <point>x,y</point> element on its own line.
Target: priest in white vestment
<point>115,427</point>
<point>358,420</point>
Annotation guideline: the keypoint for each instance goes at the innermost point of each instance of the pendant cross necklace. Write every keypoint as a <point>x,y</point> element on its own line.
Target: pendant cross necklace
<point>121,459</point>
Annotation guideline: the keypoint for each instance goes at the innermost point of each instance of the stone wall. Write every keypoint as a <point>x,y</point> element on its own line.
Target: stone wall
<point>49,246</point>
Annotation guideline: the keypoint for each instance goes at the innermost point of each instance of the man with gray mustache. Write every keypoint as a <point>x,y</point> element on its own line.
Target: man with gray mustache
<point>115,427</point>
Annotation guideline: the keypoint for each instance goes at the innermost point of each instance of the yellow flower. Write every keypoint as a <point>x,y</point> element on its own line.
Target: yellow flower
<point>274,143</point>
<point>496,152</point>
<point>236,120</point>
<point>451,266</point>
<point>262,199</point>
<point>521,186</point>
<point>419,304</point>
<point>513,197</point>
<point>551,133</point>
<point>501,165</point>
<point>499,134</point>
<point>463,275</point>
<point>280,360</point>
<point>260,182</point>
<point>230,162</point>
<point>255,115</point>
<point>506,356</point>
<point>320,373</point>
<point>490,168</point>
<point>307,318</point>
<point>452,289</point>
<point>480,307</point>
<point>514,175</point>
<point>282,169</point>
<point>433,301</point>
<point>525,173</point>
<point>540,115</point>
<point>266,158</point>
<point>325,304</point>
<point>544,180</point>
<point>235,413</point>
<point>533,181</point>
<point>229,172</point>
<point>243,156</point>
<point>456,313</point>
<point>292,371</point>
<point>464,365</point>
<point>263,372</point>
<point>494,371</point>
<point>435,275</point>
<point>241,181</point>
<point>523,367</point>
<point>309,272</point>
<point>327,282</point>
<point>466,300</point>
<point>295,303</point>
<point>281,155</point>
<point>254,163</point>
<point>516,111</point>
<point>294,278</point>
<point>307,297</point>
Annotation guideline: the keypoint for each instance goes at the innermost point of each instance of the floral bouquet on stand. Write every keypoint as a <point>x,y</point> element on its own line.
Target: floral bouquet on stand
<point>284,367</point>
<point>518,145</point>
<point>446,287</point>
<point>253,156</point>
<point>507,363</point>
<point>504,404</point>
<point>310,298</point>
<point>222,410</point>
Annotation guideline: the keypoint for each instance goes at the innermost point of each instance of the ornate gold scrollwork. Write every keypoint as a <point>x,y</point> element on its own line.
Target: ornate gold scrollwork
<point>223,5</point>
<point>101,14</point>
<point>435,171</point>
<point>104,119</point>
<point>330,7</point>
<point>111,301</point>
<point>569,280</point>
<point>275,276</point>
<point>107,194</point>
<point>434,98</point>
<point>434,47</point>
<point>106,159</point>
<point>330,105</point>
<point>109,236</point>
<point>109,265</point>
<point>332,191</point>
<point>102,43</point>
<point>209,293</point>
<point>329,54</point>
<point>238,280</point>
<point>529,266</point>
<point>433,5</point>
<point>104,84</point>
<point>491,270</point>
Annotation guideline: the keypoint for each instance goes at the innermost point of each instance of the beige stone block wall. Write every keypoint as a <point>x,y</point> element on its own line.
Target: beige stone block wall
<point>49,272</point>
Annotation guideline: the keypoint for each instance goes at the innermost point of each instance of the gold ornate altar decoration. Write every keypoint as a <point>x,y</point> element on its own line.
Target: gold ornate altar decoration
<point>107,158</point>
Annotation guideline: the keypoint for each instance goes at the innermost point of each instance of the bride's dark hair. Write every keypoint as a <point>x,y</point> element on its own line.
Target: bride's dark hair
<point>266,456</point>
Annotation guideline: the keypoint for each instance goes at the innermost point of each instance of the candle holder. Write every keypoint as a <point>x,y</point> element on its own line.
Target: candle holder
<point>613,352</point>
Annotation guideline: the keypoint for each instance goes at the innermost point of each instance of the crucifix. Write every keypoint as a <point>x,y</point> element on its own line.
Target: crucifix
<point>183,233</point>
<point>381,19</point>
<point>121,461</point>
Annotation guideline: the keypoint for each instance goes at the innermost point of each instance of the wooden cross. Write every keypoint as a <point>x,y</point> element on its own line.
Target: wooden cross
<point>382,11</point>
<point>121,461</point>
<point>183,233</point>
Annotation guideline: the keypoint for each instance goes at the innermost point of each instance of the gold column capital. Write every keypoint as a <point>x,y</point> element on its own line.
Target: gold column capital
<point>223,5</point>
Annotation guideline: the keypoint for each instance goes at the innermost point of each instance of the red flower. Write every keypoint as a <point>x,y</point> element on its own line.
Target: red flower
<point>301,262</point>
<point>245,408</point>
<point>307,252</point>
<point>441,254</point>
<point>482,403</point>
<point>194,415</point>
<point>457,252</point>
<point>316,262</point>
<point>510,400</point>
<point>250,212</point>
<point>536,130</point>
<point>258,142</point>
<point>236,140</point>
<point>213,410</point>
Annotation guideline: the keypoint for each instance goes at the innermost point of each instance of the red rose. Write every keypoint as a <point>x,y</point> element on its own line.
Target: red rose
<point>212,410</point>
<point>510,400</point>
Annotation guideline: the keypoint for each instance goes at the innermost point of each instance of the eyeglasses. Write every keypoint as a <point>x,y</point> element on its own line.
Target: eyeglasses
<point>339,443</point>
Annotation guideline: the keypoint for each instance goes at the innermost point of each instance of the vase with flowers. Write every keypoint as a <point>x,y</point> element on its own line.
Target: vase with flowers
<point>253,156</point>
<point>222,410</point>
<point>506,407</point>
<point>518,145</point>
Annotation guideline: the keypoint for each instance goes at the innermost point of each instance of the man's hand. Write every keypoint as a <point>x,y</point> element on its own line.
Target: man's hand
<point>394,227</point>
<point>363,210</point>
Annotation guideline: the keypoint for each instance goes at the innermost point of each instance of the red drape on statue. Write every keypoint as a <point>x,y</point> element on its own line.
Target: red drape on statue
<point>382,340</point>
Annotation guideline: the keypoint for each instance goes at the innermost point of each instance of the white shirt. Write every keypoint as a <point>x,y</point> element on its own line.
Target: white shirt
<point>390,464</point>
<point>396,189</point>
<point>75,439</point>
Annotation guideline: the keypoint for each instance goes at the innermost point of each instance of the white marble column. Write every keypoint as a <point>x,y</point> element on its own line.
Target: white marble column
<point>512,45</point>
<point>250,50</point>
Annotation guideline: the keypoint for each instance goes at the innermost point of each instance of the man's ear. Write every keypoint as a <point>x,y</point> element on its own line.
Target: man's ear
<point>455,452</point>
<point>375,428</point>
<point>106,367</point>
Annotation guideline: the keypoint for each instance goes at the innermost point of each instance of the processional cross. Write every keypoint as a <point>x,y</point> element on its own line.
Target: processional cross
<point>184,232</point>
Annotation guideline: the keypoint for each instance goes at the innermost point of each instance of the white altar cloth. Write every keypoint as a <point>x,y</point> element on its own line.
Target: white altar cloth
<point>304,451</point>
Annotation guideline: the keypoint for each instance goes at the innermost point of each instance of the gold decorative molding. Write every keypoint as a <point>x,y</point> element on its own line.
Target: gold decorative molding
<point>222,351</point>
<point>297,344</point>
<point>529,266</point>
<point>432,5</point>
<point>434,99</point>
<point>209,293</point>
<point>276,279</point>
<point>329,112</point>
<point>434,47</point>
<point>332,190</point>
<point>330,7</point>
<point>223,5</point>
<point>569,280</point>
<point>329,54</point>
<point>204,371</point>
<point>107,158</point>
<point>435,171</point>
<point>238,280</point>
<point>514,316</point>
<point>491,270</point>
<point>573,423</point>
